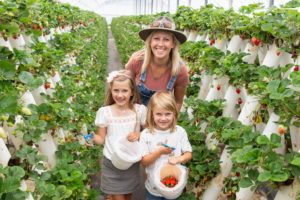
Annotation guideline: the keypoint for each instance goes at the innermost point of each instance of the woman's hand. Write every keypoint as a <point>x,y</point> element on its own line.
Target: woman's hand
<point>133,136</point>
<point>138,55</point>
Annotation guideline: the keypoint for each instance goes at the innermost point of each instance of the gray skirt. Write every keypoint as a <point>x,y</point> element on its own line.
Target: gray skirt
<point>116,181</point>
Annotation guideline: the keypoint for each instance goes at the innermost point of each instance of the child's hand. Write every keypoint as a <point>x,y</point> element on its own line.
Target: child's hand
<point>175,160</point>
<point>165,150</point>
<point>133,136</point>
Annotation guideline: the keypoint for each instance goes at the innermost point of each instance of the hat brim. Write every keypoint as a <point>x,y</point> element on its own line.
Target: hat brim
<point>146,32</point>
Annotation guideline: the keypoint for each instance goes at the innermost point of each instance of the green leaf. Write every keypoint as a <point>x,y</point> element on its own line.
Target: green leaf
<point>280,177</point>
<point>296,161</point>
<point>8,104</point>
<point>262,139</point>
<point>7,70</point>
<point>245,182</point>
<point>264,176</point>
<point>25,77</point>
<point>275,140</point>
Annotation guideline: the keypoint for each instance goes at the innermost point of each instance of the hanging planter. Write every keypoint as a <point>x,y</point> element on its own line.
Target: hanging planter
<point>273,127</point>
<point>262,51</point>
<point>47,37</point>
<point>235,43</point>
<point>5,43</point>
<point>56,77</point>
<point>214,188</point>
<point>244,194</point>
<point>235,98</point>
<point>48,148</point>
<point>28,39</point>
<point>17,42</point>
<point>273,56</point>
<point>4,153</point>
<point>226,163</point>
<point>252,51</point>
<point>201,37</point>
<point>193,35</point>
<point>16,137</point>
<point>186,32</point>
<point>295,136</point>
<point>288,192</point>
<point>221,44</point>
<point>42,39</point>
<point>37,94</point>
<point>27,98</point>
<point>49,87</point>
<point>218,88</point>
<point>204,87</point>
<point>251,105</point>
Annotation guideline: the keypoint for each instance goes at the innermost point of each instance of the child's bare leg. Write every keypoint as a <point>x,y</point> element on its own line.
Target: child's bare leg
<point>118,197</point>
<point>128,196</point>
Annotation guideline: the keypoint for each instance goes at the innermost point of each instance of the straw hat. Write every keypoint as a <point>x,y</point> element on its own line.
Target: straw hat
<point>162,24</point>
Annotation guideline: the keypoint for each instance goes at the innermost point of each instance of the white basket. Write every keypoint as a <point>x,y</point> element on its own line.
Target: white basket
<point>164,170</point>
<point>126,154</point>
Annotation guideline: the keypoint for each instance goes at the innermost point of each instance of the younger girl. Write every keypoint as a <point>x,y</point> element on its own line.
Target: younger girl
<point>162,140</point>
<point>121,117</point>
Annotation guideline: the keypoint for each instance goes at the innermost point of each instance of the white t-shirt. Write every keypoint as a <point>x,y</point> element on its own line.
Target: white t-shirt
<point>152,141</point>
<point>118,126</point>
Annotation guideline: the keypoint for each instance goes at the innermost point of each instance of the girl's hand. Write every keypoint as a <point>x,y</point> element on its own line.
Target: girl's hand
<point>164,150</point>
<point>138,55</point>
<point>175,160</point>
<point>133,136</point>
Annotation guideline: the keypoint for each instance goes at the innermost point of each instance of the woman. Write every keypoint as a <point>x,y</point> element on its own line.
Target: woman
<point>159,66</point>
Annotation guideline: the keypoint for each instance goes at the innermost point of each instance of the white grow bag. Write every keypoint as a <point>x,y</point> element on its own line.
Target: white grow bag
<point>165,170</point>
<point>126,154</point>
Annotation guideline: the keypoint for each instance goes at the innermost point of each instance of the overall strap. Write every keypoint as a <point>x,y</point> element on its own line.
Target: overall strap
<point>143,77</point>
<point>171,83</point>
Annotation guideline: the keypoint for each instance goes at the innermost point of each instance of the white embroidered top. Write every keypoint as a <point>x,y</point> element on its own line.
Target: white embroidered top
<point>118,126</point>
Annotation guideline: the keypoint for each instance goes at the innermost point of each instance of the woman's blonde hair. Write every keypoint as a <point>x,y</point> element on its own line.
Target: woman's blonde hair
<point>122,76</point>
<point>162,100</point>
<point>174,54</point>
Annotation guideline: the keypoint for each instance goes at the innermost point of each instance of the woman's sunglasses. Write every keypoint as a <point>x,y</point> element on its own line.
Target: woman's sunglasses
<point>161,24</point>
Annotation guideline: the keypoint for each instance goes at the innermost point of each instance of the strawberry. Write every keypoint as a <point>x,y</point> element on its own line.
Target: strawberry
<point>240,101</point>
<point>212,42</point>
<point>47,85</point>
<point>296,68</point>
<point>238,90</point>
<point>218,87</point>
<point>255,41</point>
<point>243,36</point>
<point>281,129</point>
<point>278,53</point>
<point>238,174</point>
<point>15,36</point>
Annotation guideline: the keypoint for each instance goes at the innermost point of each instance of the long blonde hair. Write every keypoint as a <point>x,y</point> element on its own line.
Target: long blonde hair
<point>174,55</point>
<point>164,100</point>
<point>122,75</point>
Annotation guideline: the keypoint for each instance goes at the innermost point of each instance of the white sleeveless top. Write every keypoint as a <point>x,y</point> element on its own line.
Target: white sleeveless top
<point>118,126</point>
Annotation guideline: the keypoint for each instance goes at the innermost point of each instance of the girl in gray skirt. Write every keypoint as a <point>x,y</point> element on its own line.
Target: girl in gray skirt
<point>121,117</point>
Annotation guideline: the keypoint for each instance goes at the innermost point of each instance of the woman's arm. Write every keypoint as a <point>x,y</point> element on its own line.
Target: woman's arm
<point>187,156</point>
<point>179,92</point>
<point>152,157</point>
<point>100,135</point>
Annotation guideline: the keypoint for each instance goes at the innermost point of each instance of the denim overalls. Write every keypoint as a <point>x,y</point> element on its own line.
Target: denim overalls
<point>146,93</point>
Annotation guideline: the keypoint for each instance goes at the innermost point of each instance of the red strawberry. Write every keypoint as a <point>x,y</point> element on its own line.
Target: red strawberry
<point>47,85</point>
<point>255,41</point>
<point>278,53</point>
<point>218,87</point>
<point>238,90</point>
<point>296,68</point>
<point>240,101</point>
<point>237,174</point>
<point>212,42</point>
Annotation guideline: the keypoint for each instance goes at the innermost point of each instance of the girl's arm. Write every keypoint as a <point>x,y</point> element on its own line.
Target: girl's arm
<point>187,156</point>
<point>99,137</point>
<point>152,157</point>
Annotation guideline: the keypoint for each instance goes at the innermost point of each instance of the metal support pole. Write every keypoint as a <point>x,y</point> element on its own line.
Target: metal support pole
<point>271,3</point>
<point>230,3</point>
<point>151,7</point>
<point>177,5</point>
<point>190,3</point>
<point>145,7</point>
<point>169,6</point>
<point>205,2</point>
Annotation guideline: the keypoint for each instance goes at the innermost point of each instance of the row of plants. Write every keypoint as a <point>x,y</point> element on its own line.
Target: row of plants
<point>67,106</point>
<point>255,162</point>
